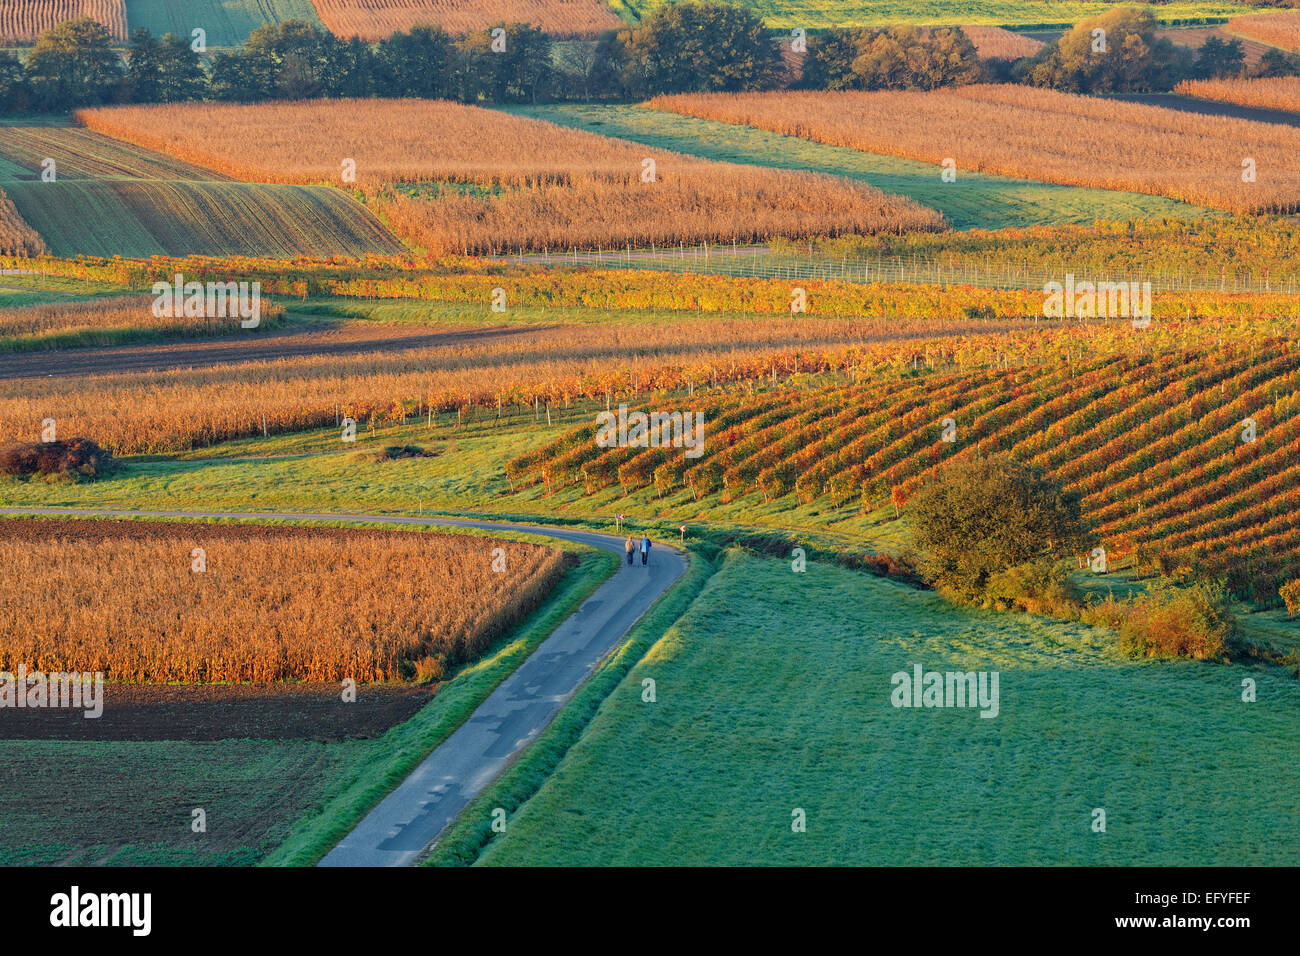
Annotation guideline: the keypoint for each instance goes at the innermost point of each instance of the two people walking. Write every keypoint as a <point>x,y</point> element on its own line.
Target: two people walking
<point>631,547</point>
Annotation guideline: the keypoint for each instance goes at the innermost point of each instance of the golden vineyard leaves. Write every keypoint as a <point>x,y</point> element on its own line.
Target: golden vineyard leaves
<point>274,604</point>
<point>132,412</point>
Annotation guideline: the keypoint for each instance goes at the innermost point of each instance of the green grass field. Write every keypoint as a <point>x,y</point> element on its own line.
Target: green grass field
<point>112,198</point>
<point>974,200</point>
<point>765,705</point>
<point>227,22</point>
<point>815,14</point>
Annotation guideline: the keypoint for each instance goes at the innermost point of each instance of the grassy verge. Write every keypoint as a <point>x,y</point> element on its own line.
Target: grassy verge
<point>376,769</point>
<point>466,838</point>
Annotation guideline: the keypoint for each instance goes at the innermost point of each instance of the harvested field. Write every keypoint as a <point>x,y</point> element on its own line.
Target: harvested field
<point>532,184</point>
<point>270,603</point>
<point>224,712</point>
<point>1038,134</point>
<point>1280,29</point>
<point>142,218</point>
<point>81,154</point>
<point>22,21</point>
<point>115,198</point>
<point>1272,93</point>
<point>375,20</point>
<point>17,238</point>
<point>996,43</point>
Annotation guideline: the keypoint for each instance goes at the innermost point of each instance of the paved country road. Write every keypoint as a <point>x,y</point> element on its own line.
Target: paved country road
<point>406,822</point>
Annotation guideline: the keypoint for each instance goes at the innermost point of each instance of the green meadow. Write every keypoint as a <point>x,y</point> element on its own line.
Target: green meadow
<point>764,707</point>
<point>974,200</point>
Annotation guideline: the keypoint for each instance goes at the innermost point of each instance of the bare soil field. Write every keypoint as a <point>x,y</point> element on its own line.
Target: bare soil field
<point>224,712</point>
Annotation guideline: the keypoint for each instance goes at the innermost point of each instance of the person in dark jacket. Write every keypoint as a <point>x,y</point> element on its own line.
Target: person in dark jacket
<point>645,550</point>
<point>631,548</point>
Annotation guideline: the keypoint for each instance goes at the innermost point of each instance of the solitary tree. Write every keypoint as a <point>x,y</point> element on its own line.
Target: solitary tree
<point>981,516</point>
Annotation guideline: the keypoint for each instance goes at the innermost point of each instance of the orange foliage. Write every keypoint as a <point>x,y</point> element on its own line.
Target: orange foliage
<point>273,604</point>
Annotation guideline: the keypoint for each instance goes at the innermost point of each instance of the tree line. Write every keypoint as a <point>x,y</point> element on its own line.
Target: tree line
<point>682,48</point>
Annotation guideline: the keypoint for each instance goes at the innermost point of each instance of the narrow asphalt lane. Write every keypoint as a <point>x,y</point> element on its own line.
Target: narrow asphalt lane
<point>408,821</point>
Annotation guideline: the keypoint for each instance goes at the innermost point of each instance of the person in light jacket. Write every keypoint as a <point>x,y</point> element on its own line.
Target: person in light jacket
<point>631,548</point>
<point>645,550</point>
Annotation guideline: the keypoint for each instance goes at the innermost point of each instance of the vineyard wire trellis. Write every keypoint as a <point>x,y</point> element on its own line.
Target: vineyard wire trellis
<point>762,263</point>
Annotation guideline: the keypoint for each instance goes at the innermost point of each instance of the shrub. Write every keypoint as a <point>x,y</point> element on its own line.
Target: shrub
<point>1038,587</point>
<point>1170,621</point>
<point>1290,594</point>
<point>396,452</point>
<point>76,458</point>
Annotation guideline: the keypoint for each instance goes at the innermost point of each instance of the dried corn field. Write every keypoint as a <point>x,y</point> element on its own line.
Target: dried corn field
<point>272,604</point>
<point>1037,134</point>
<point>108,321</point>
<point>995,43</point>
<point>23,21</point>
<point>375,20</point>
<point>1280,29</point>
<point>453,178</point>
<point>16,237</point>
<point>1271,93</point>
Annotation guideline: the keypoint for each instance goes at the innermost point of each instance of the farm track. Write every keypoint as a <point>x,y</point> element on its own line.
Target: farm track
<point>398,830</point>
<point>251,347</point>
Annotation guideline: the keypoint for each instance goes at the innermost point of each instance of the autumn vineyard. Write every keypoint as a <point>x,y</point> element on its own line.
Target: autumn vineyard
<point>650,415</point>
